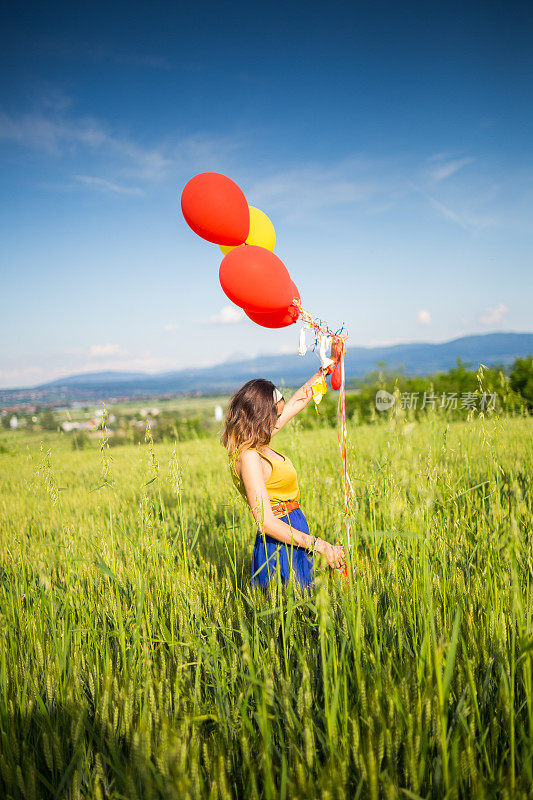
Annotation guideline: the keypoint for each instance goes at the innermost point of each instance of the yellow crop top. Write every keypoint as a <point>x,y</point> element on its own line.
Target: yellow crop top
<point>282,485</point>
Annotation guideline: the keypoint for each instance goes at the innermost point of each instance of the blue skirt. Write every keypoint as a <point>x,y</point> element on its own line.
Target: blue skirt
<point>271,555</point>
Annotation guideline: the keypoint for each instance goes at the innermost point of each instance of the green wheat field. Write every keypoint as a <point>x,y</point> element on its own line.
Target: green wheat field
<point>137,661</point>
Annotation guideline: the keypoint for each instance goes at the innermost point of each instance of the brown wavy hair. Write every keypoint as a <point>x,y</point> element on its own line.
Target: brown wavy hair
<point>250,418</point>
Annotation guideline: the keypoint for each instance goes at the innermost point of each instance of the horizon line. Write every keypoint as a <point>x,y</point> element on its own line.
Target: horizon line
<point>148,374</point>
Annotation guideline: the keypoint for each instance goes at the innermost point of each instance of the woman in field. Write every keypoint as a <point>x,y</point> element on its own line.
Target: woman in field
<point>268,482</point>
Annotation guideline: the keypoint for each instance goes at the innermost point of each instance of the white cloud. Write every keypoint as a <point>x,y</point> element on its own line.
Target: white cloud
<point>493,315</point>
<point>442,169</point>
<point>107,186</point>
<point>229,315</point>
<point>171,327</point>
<point>28,376</point>
<point>299,193</point>
<point>53,129</point>
<point>102,350</point>
<point>469,219</point>
<point>423,317</point>
<point>465,203</point>
<point>447,212</point>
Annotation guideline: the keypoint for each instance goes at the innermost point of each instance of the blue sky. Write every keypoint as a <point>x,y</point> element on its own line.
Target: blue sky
<point>390,144</point>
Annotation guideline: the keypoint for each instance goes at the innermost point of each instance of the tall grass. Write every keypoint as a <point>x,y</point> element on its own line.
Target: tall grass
<point>137,662</point>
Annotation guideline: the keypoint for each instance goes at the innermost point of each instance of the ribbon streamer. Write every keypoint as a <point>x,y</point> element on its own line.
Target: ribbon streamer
<point>342,436</point>
<point>322,334</point>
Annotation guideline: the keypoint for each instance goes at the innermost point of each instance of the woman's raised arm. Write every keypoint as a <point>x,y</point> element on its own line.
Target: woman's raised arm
<point>299,400</point>
<point>303,395</point>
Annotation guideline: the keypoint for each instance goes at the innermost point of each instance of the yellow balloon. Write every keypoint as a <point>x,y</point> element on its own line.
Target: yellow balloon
<point>261,233</point>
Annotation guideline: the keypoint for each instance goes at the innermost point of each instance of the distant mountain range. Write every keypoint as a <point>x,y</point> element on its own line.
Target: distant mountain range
<point>418,358</point>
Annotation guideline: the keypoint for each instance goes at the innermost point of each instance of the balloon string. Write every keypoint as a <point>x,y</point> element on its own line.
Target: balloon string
<point>318,326</point>
<point>341,411</point>
<point>321,329</point>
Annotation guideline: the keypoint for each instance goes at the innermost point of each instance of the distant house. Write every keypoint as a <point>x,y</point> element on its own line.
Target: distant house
<point>13,423</point>
<point>99,413</point>
<point>150,412</point>
<point>101,434</point>
<point>69,426</point>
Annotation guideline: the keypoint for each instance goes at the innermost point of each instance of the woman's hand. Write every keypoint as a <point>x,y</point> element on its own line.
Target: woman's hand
<point>337,346</point>
<point>334,554</point>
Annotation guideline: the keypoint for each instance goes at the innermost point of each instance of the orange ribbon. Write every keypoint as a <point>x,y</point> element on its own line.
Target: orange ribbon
<point>321,329</point>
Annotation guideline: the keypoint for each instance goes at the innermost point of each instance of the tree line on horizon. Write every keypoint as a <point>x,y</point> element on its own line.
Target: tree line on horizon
<point>455,393</point>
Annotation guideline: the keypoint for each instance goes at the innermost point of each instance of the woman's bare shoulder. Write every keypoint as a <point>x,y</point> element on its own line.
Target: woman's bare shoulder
<point>250,456</point>
<point>246,457</point>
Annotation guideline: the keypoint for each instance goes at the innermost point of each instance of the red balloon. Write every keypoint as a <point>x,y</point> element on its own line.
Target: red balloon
<point>274,319</point>
<point>216,209</point>
<point>256,280</point>
<point>336,379</point>
<point>277,319</point>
